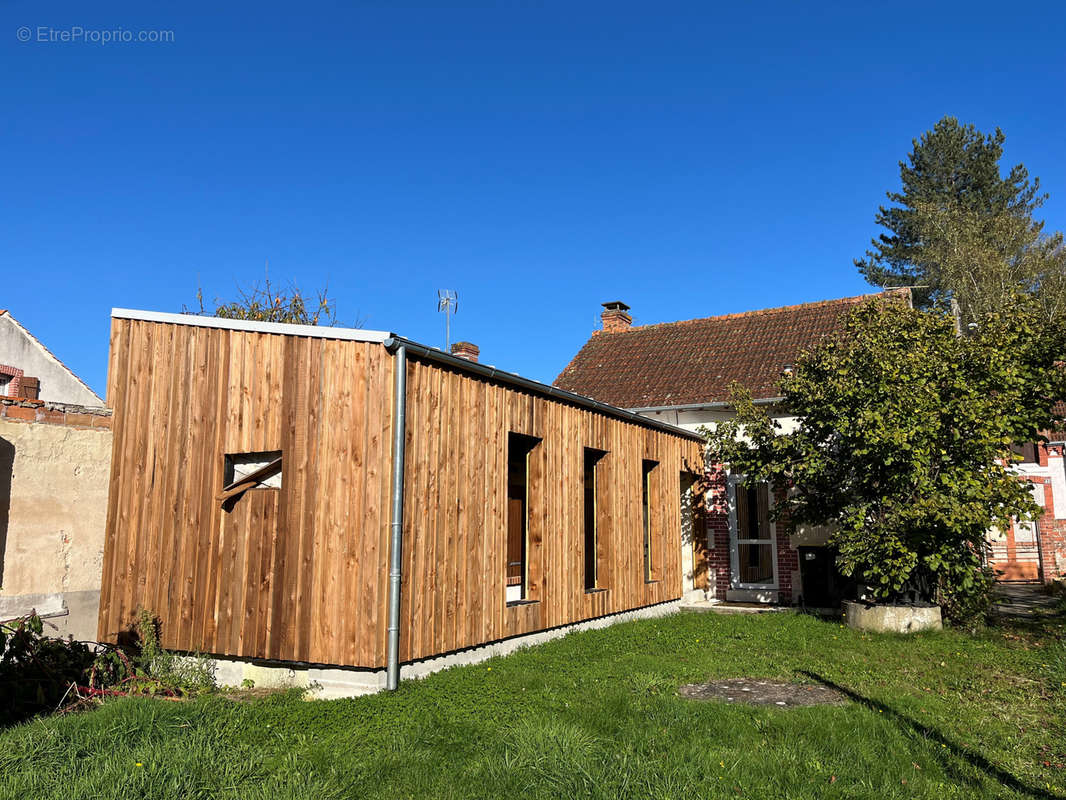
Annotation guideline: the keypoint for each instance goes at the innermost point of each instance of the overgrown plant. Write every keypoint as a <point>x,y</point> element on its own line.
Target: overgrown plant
<point>160,668</point>
<point>903,443</point>
<point>267,302</point>
<point>39,673</point>
<point>35,670</point>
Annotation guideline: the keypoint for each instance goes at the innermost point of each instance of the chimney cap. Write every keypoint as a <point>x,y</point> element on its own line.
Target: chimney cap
<point>615,305</point>
<point>467,350</point>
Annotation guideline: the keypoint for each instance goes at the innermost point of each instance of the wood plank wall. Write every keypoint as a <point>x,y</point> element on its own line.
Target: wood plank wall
<point>295,573</point>
<point>300,573</point>
<point>455,525</point>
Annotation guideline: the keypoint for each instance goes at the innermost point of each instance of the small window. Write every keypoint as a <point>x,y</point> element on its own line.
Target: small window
<point>592,459</point>
<point>264,467</point>
<point>648,469</point>
<point>518,449</point>
<point>1027,451</point>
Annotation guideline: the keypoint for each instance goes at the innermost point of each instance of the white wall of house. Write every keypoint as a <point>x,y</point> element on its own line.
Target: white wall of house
<point>19,349</point>
<point>692,419</point>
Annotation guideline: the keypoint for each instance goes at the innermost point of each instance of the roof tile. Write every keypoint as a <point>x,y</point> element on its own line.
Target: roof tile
<point>694,362</point>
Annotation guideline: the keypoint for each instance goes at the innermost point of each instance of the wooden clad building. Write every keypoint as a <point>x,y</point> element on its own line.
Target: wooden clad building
<point>250,495</point>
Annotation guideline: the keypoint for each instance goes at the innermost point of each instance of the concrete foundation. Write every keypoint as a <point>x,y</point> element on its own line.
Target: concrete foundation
<point>892,619</point>
<point>326,683</point>
<point>63,613</point>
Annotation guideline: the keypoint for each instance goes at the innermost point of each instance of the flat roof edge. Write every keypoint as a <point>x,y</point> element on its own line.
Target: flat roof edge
<point>282,328</point>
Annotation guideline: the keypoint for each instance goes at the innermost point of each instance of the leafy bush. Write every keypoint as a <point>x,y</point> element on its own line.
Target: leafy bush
<point>903,443</point>
<point>968,603</point>
<point>35,670</point>
<point>39,673</point>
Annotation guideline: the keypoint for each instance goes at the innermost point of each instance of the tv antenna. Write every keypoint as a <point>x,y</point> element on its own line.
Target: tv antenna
<point>448,302</point>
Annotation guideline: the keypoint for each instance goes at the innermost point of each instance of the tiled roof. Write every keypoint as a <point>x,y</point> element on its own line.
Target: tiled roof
<point>694,362</point>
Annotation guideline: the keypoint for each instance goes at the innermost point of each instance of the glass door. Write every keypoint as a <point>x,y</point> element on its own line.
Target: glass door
<point>753,557</point>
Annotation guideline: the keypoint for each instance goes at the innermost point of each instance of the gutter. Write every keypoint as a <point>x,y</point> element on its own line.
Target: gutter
<point>715,404</point>
<point>399,441</point>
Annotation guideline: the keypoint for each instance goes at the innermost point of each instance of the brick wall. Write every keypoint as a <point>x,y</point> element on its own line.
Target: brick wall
<point>787,556</point>
<point>718,556</point>
<point>1050,532</point>
<point>18,410</point>
<point>1052,543</point>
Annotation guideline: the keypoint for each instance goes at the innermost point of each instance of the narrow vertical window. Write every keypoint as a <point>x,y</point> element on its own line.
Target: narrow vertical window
<point>648,467</point>
<point>518,449</point>
<point>592,578</point>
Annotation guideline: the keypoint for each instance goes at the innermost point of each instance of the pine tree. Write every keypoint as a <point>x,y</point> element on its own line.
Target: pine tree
<point>952,166</point>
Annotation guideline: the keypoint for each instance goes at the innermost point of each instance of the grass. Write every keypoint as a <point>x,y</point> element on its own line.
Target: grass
<point>596,714</point>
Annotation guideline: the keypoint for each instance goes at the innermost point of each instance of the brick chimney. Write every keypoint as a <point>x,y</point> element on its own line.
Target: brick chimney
<point>467,350</point>
<point>615,317</point>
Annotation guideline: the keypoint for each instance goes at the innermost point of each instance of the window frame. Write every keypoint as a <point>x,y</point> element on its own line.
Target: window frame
<point>647,470</point>
<point>591,543</point>
<point>528,444</point>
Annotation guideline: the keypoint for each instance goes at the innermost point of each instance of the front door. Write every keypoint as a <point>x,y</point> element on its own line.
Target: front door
<point>752,543</point>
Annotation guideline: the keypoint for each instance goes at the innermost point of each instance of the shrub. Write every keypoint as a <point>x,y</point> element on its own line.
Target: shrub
<point>36,671</point>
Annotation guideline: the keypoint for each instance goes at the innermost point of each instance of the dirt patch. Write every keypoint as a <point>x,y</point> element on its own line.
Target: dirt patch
<point>757,692</point>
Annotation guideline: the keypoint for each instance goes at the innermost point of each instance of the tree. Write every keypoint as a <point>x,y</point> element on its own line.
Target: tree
<point>982,259</point>
<point>266,303</point>
<point>903,442</point>
<point>951,166</point>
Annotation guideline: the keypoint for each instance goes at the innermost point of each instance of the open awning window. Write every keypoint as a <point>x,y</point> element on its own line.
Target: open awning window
<point>246,471</point>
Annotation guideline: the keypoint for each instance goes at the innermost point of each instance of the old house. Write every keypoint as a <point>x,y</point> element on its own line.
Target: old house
<point>1035,550</point>
<point>680,372</point>
<point>29,370</point>
<point>55,457</point>
<point>342,502</point>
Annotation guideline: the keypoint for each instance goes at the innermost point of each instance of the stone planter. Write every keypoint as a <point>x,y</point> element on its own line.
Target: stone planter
<point>892,619</point>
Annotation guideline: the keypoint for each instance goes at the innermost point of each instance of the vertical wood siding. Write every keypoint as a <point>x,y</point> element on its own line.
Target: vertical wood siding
<point>300,573</point>
<point>294,573</point>
<point>455,526</point>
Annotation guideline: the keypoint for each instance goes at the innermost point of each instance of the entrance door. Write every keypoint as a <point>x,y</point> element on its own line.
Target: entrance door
<point>753,552</point>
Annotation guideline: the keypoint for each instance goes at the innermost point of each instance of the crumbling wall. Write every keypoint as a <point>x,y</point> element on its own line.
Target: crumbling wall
<point>55,462</point>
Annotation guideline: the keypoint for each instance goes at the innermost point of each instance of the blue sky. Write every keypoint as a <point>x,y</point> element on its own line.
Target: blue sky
<point>538,158</point>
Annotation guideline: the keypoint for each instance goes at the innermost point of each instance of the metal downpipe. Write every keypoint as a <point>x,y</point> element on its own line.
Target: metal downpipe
<point>399,440</point>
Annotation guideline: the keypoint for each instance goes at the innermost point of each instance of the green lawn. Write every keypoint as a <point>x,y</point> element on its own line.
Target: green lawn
<point>596,714</point>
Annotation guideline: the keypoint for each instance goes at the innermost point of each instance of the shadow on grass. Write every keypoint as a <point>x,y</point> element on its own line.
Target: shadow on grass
<point>974,759</point>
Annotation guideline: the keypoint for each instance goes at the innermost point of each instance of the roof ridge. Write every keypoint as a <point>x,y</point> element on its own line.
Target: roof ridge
<point>759,311</point>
